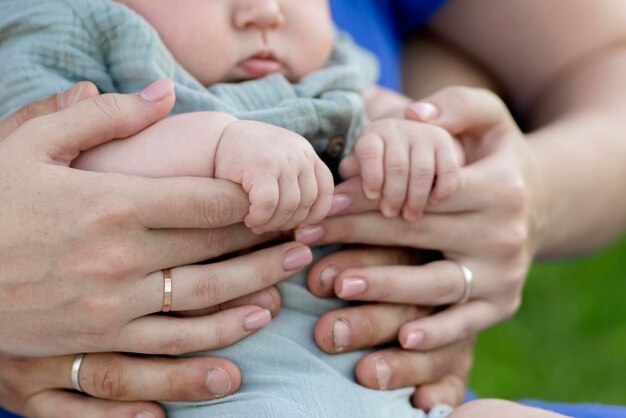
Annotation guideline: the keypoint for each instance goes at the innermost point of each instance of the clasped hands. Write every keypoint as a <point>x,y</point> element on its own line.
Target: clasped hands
<point>477,220</point>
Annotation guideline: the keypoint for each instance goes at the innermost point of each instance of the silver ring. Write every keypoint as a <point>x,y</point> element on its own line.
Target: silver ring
<point>78,361</point>
<point>468,277</point>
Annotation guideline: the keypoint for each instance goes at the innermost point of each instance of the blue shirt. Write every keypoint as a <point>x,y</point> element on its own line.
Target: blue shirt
<point>381,26</point>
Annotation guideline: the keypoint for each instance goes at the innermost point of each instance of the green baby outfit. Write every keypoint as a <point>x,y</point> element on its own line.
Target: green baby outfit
<point>46,46</point>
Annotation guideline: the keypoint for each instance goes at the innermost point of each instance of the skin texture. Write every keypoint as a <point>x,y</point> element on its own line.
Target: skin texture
<point>244,28</point>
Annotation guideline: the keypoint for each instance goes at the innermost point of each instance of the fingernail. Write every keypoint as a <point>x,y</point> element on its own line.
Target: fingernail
<point>145,415</point>
<point>69,96</point>
<point>341,334</point>
<point>387,211</point>
<point>158,90</point>
<point>340,203</point>
<point>327,278</point>
<point>383,373</point>
<point>370,194</point>
<point>414,339</point>
<point>257,320</point>
<point>352,287</point>
<point>310,234</point>
<point>424,110</point>
<point>296,258</point>
<point>410,216</point>
<point>218,381</point>
<point>263,299</point>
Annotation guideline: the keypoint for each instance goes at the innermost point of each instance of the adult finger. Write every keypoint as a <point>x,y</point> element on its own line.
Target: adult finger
<point>449,390</point>
<point>160,334</point>
<point>58,403</point>
<point>267,299</point>
<point>95,121</point>
<point>206,285</point>
<point>457,321</point>
<point>171,247</point>
<point>322,275</point>
<point>124,377</point>
<point>433,231</point>
<point>433,284</point>
<point>395,368</point>
<point>183,202</point>
<point>54,103</point>
<point>460,109</point>
<point>363,326</point>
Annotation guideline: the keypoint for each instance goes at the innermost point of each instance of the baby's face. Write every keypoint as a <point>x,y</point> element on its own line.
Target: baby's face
<point>235,40</point>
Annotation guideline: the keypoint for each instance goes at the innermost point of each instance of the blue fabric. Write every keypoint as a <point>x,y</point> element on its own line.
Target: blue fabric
<point>381,25</point>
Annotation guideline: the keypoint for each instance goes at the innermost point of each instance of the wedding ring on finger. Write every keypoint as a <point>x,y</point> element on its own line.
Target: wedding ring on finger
<point>78,361</point>
<point>468,278</point>
<point>167,290</point>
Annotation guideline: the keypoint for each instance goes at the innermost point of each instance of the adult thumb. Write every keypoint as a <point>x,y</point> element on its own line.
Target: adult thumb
<point>61,136</point>
<point>54,103</point>
<point>460,109</point>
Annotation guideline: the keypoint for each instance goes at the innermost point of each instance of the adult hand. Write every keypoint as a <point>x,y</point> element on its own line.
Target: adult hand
<point>83,252</point>
<point>488,225</point>
<point>439,375</point>
<point>118,384</point>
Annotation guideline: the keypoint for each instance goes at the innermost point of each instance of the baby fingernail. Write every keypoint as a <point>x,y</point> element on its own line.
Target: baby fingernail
<point>383,373</point>
<point>341,334</point>
<point>218,381</point>
<point>257,320</point>
<point>352,287</point>
<point>327,278</point>
<point>370,194</point>
<point>414,339</point>
<point>158,90</point>
<point>388,211</point>
<point>340,203</point>
<point>296,258</point>
<point>309,235</point>
<point>145,415</point>
<point>424,110</point>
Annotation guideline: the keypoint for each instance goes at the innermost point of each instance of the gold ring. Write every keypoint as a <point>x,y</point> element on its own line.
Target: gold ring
<point>78,361</point>
<point>167,290</point>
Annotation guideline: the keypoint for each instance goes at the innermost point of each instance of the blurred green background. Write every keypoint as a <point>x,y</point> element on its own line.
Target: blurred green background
<point>568,341</point>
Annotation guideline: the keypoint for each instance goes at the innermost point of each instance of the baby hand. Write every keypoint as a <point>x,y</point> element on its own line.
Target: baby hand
<point>287,184</point>
<point>408,164</point>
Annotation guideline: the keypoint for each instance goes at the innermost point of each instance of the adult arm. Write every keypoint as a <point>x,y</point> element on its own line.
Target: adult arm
<point>562,68</point>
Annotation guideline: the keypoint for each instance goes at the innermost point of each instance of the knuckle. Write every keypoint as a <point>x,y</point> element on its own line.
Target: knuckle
<point>397,168</point>
<point>216,242</point>
<point>108,380</point>
<point>513,240</point>
<point>421,174</point>
<point>110,107</point>
<point>179,343</point>
<point>176,385</point>
<point>208,291</point>
<point>216,208</point>
<point>442,291</point>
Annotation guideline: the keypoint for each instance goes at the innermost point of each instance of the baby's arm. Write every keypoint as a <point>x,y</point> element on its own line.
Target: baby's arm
<point>286,182</point>
<point>408,164</point>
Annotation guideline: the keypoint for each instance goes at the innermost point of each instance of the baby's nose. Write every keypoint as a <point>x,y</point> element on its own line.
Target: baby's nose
<point>263,14</point>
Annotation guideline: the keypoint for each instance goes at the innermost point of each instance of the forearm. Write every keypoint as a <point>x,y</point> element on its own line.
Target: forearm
<point>182,145</point>
<point>580,144</point>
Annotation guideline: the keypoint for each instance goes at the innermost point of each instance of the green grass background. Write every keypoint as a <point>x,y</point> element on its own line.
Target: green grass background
<point>568,341</point>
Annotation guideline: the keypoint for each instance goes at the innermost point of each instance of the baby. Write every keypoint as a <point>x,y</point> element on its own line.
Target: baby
<point>295,79</point>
